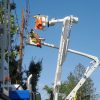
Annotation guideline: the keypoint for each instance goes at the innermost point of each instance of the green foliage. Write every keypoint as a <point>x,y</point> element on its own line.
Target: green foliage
<point>48,89</point>
<point>86,92</point>
<point>35,70</point>
<point>14,28</point>
<point>12,6</point>
<point>68,85</point>
<point>13,64</point>
<point>13,70</point>
<point>1,15</point>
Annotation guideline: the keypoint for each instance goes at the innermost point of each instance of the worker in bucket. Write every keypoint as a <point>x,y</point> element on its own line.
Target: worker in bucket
<point>35,38</point>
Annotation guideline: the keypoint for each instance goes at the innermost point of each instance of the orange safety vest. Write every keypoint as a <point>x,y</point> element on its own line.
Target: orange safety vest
<point>38,24</point>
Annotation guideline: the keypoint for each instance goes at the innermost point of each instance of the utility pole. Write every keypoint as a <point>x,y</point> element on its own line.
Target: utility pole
<point>21,42</point>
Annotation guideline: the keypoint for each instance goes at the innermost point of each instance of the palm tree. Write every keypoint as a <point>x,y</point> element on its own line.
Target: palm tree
<point>35,70</point>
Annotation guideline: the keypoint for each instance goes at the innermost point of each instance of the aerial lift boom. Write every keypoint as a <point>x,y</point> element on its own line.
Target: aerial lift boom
<point>90,69</point>
<point>41,22</point>
<point>64,42</point>
<point>63,49</point>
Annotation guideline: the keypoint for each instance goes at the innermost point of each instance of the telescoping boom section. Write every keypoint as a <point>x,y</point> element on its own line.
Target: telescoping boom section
<point>63,48</point>
<point>90,69</point>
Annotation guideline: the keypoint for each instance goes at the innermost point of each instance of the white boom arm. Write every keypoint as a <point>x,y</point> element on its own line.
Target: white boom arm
<point>67,23</point>
<point>86,75</point>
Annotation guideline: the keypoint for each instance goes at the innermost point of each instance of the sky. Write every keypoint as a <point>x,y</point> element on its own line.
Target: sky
<point>84,37</point>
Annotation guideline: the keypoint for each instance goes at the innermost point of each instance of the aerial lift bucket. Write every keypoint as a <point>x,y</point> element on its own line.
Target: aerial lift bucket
<point>41,22</point>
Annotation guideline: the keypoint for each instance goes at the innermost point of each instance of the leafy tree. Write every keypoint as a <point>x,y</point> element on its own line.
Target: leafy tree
<point>65,87</point>
<point>86,92</point>
<point>35,70</point>
<point>13,63</point>
<point>49,91</point>
<point>69,84</point>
